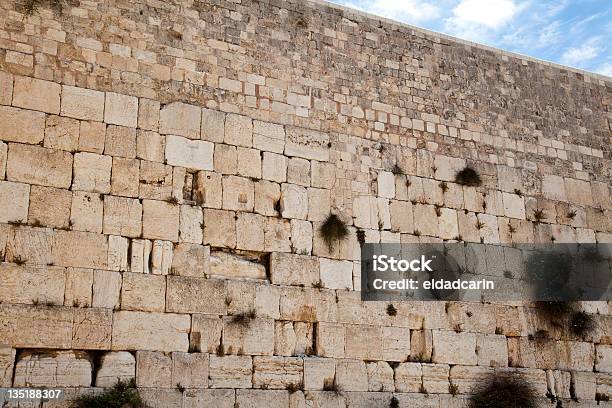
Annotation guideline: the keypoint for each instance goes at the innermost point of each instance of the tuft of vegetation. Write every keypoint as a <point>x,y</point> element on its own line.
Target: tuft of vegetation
<point>391,310</point>
<point>318,284</point>
<point>504,391</point>
<point>453,389</point>
<point>293,387</point>
<point>31,6</point>
<point>479,225</point>
<point>333,230</point>
<point>394,402</point>
<point>361,237</point>
<point>468,177</point>
<point>330,385</point>
<point>180,387</point>
<point>172,200</point>
<point>244,318</point>
<point>416,233</point>
<point>581,323</point>
<point>511,229</point>
<point>397,170</point>
<point>518,192</point>
<point>443,186</point>
<point>571,215</point>
<point>220,350</point>
<point>538,214</point>
<point>438,210</point>
<point>601,397</point>
<point>564,315</point>
<point>18,260</point>
<point>122,395</point>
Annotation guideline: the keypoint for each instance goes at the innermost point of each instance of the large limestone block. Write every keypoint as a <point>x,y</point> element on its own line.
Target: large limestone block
<point>92,172</point>
<point>3,158</point>
<point>293,338</point>
<point>319,204</point>
<point>318,373</point>
<point>92,136</point>
<point>92,251</point>
<point>219,228</point>
<point>155,181</point>
<point>578,191</point>
<point>448,227</point>
<point>365,212</point>
<point>153,369</point>
<point>160,220</point>
<point>124,177</point>
<point>469,378</point>
<point>238,130</point>
<point>301,236</point>
<point>23,126</point>
<point>21,284</point>
<point>603,361</point>
<point>323,174</point>
<point>148,114</point>
<point>53,369</point>
<point>169,397</point>
<point>106,289</point>
<point>401,216</point>
<point>230,371</point>
<point>248,162</point>
<point>213,125</point>
<point>336,274</point>
<point>36,94</point>
<point>426,219</point>
<point>122,216</point>
<point>32,245</point>
<point>115,366</point>
<point>6,89</point>
<point>150,146</point>
<point>143,292</point>
<point>14,200</point>
<point>351,375</point>
<point>447,167</point>
<point>120,142</point>
<point>435,378</point>
<point>209,398</point>
<point>363,342</point>
<point>37,165</point>
<point>248,335</point>
<point>492,350</point>
<point>238,194</point>
<point>192,154</point>
<point>395,343</point>
<point>150,331</point>
<point>553,187</point>
<point>223,264</point>
<point>243,296</point>
<point>514,206</point>
<point>386,184</point>
<point>454,348</point>
<point>380,376</point>
<point>330,339</point>
<point>7,361</point>
<point>191,260</point>
<point>277,372</point>
<point>306,143</point>
<point>92,329</point>
<point>268,136</point>
<point>226,159</point>
<point>262,398</point>
<point>121,109</point>
<point>118,248</point>
<point>191,224</point>
<point>408,377</point>
<point>277,235</point>
<point>294,201</point>
<point>298,171</point>
<point>532,354</point>
<point>187,294</point>
<point>25,326</point>
<point>79,284</point>
<point>205,333</point>
<point>207,189</point>
<point>190,370</point>
<point>86,212</point>
<point>308,305</point>
<point>251,236</point>
<point>81,103</point>
<point>292,269</point>
<point>178,118</point>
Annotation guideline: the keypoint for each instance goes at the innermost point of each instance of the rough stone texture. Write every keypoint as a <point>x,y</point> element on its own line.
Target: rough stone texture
<point>85,104</point>
<point>36,165</point>
<point>230,371</point>
<point>180,119</point>
<point>14,199</point>
<point>57,369</point>
<point>121,109</point>
<point>194,154</point>
<point>293,269</point>
<point>115,366</point>
<point>23,126</point>
<point>47,95</point>
<point>150,331</point>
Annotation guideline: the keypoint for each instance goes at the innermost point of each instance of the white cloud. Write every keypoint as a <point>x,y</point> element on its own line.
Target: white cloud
<point>408,11</point>
<point>576,56</point>
<point>605,69</point>
<point>489,13</point>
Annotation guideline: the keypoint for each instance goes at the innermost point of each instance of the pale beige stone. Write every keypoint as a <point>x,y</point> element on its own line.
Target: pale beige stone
<point>226,159</point>
<point>192,154</point>
<point>121,109</point>
<point>274,167</point>
<point>79,284</point>
<point>62,133</point>
<point>454,348</point>
<point>153,369</point>
<point>23,126</point>
<point>395,343</point>
<point>365,212</point>
<point>191,260</point>
<point>21,284</point>
<point>26,326</point>
<point>401,216</point>
<point>330,340</point>
<point>122,216</point>
<point>262,398</point>
<point>426,219</point>
<point>293,269</point>
<point>492,350</point>
<point>323,174</point>
<point>238,130</point>
<point>468,378</point>
<point>144,292</point>
<point>435,378</point>
<point>603,358</point>
<point>118,248</point>
<point>92,172</point>
<point>6,91</point>
<point>306,143</point>
<point>92,136</point>
<point>408,377</point>
<point>268,136</point>
<point>351,375</point>
<point>219,228</point>
<point>86,212</point>
<point>160,220</point>
<point>250,232</point>
<point>7,361</point>
<point>190,370</point>
<point>277,372</point>
<point>150,331</point>
<point>298,171</point>
<point>213,124</point>
<point>81,103</point>
<point>64,368</point>
<point>223,264</point>
<point>106,289</point>
<point>319,204</point>
<point>336,274</point>
<point>178,118</point>
<point>553,187</point>
<point>32,245</point>
<point>248,162</point>
<point>155,181</point>
<point>238,194</point>
<point>148,114</point>
<point>37,165</point>
<point>124,177</point>
<point>191,224</point>
<point>230,371</point>
<point>318,372</point>
<point>205,333</point>
<point>301,237</point>
<point>14,199</point>
<point>150,146</point>
<point>187,294</point>
<point>514,206</point>
<point>92,253</point>
<point>120,141</point>
<point>267,196</point>
<point>47,94</point>
<point>380,376</point>
<point>363,342</point>
<point>447,167</point>
<point>161,256</point>
<point>578,191</point>
<point>448,227</point>
<point>254,336</point>
<point>115,366</point>
<point>3,157</point>
<point>293,338</point>
<point>294,202</point>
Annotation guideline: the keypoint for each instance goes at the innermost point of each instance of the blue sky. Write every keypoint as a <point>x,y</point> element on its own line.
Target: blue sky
<point>577,33</point>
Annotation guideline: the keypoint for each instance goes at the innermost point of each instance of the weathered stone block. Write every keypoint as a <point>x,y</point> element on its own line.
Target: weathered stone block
<point>380,376</point>
<point>323,174</point>
<point>54,369</point>
<point>153,369</point>
<point>79,284</point>
<point>190,370</point>
<point>92,328</point>
<point>274,167</point>
<point>408,377</point>
<point>267,195</point>
<point>124,177</point>
<point>205,336</point>
<point>238,194</point>
<point>226,159</point>
<point>294,202</point>
<point>244,334</point>
<point>219,228</point>
<point>251,228</point>
<point>122,216</point>
<point>121,109</point>
<point>227,265</point>
<point>150,146</point>
<point>363,342</point>
<point>319,203</point>
<point>277,372</point>
<point>319,373</point>
<point>469,378</point>
<point>62,133</point>
<point>395,343</point>
<point>195,295</point>
<point>191,224</point>
<point>178,118</point>
<point>92,172</point>
<point>47,94</point>
<point>3,158</point>
<point>578,191</point>
<point>401,216</point>
<point>25,326</point>
<point>14,199</point>
<point>191,260</point>
<point>230,371</point>
<point>81,103</point>
<point>268,136</point>
<point>23,126</point>
<point>7,361</point>
<point>115,366</point>
<point>514,206</point>
<point>248,163</point>
<point>448,227</point>
<point>20,284</point>
<point>292,269</point>
<point>454,348</point>
<point>106,289</point>
<point>298,171</point>
<point>37,165</point>
<point>351,375</point>
<point>238,130</point>
<point>86,212</point>
<point>553,187</point>
<point>6,90</point>
<point>426,219</point>
<point>160,220</point>
<point>336,274</point>
<point>92,253</point>
<point>435,378</point>
<point>120,141</point>
<point>192,154</point>
<point>306,143</point>
<point>213,124</point>
<point>603,361</point>
<point>330,340</point>
<point>144,292</point>
<point>155,181</point>
<point>92,136</point>
<point>148,114</point>
<point>150,331</point>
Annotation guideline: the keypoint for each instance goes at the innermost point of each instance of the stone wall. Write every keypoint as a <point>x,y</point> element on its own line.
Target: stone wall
<point>165,168</point>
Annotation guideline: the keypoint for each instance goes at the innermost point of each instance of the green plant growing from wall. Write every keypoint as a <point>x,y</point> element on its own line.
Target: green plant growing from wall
<point>504,391</point>
<point>122,395</point>
<point>31,6</point>
<point>333,230</point>
<point>468,177</point>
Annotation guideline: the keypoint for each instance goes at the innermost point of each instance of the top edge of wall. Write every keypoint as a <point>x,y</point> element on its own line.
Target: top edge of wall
<point>437,35</point>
